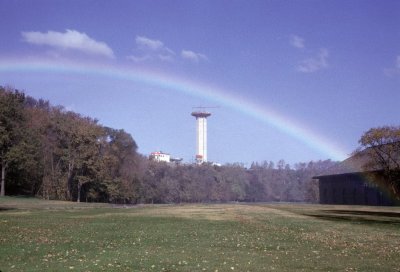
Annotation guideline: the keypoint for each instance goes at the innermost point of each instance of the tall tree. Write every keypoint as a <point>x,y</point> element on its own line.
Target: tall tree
<point>50,123</point>
<point>120,165</point>
<point>88,164</point>
<point>72,149</point>
<point>382,146</point>
<point>11,130</point>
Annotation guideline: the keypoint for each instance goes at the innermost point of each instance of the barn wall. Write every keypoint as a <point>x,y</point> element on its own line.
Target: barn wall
<point>351,189</point>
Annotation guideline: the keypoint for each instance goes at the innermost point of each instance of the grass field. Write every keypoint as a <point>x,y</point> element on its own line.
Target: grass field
<point>38,235</point>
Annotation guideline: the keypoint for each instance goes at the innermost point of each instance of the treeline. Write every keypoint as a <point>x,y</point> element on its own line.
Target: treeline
<point>163,183</point>
<point>53,153</point>
<point>49,152</point>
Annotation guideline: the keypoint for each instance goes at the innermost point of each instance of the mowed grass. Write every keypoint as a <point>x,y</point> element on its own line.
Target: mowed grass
<point>37,235</point>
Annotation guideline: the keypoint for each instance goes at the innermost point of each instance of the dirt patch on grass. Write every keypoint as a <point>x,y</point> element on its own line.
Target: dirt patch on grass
<point>276,209</point>
<point>228,212</point>
<point>201,212</point>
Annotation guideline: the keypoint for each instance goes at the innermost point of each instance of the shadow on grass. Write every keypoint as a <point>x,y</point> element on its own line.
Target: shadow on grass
<point>354,216</point>
<point>366,213</point>
<point>4,209</point>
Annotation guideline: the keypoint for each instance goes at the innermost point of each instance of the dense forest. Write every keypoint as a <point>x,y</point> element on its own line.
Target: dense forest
<point>51,153</point>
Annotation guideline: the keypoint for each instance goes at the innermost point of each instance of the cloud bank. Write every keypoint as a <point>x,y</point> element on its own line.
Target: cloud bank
<point>70,40</point>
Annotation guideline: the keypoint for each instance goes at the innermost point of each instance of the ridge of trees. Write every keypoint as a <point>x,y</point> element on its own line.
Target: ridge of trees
<point>49,152</point>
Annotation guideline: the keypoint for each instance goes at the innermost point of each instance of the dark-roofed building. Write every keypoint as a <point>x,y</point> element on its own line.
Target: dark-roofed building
<point>349,184</point>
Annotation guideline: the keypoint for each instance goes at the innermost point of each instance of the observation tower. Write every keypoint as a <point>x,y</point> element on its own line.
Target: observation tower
<point>201,138</point>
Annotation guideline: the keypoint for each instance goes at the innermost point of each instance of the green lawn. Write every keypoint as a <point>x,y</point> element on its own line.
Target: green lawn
<point>38,235</point>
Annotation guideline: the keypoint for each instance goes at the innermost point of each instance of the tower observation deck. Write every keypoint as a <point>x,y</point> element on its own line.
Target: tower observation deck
<point>201,135</point>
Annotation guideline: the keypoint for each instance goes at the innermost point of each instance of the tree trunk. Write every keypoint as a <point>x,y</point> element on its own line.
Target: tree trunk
<point>3,179</point>
<point>69,180</point>
<point>395,191</point>
<point>79,192</point>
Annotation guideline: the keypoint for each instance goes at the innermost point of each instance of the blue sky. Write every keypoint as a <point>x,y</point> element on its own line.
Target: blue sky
<point>294,80</point>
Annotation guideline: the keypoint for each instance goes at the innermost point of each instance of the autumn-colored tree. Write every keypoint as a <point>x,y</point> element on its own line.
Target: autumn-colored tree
<point>382,146</point>
<point>12,139</point>
<point>120,166</point>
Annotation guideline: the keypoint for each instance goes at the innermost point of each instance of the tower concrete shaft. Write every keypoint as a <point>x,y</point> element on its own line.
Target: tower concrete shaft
<point>201,137</point>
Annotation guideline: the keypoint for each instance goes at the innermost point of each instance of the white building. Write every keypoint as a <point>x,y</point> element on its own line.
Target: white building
<point>160,156</point>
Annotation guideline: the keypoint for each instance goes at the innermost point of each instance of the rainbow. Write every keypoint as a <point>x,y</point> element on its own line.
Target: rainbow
<point>214,94</point>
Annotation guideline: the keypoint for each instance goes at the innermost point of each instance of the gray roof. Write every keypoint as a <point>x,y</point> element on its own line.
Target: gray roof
<point>357,163</point>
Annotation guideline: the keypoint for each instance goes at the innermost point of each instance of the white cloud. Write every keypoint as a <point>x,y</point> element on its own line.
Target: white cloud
<point>150,49</point>
<point>316,63</point>
<point>192,56</point>
<point>147,49</point>
<point>297,41</point>
<point>146,43</point>
<point>70,40</point>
